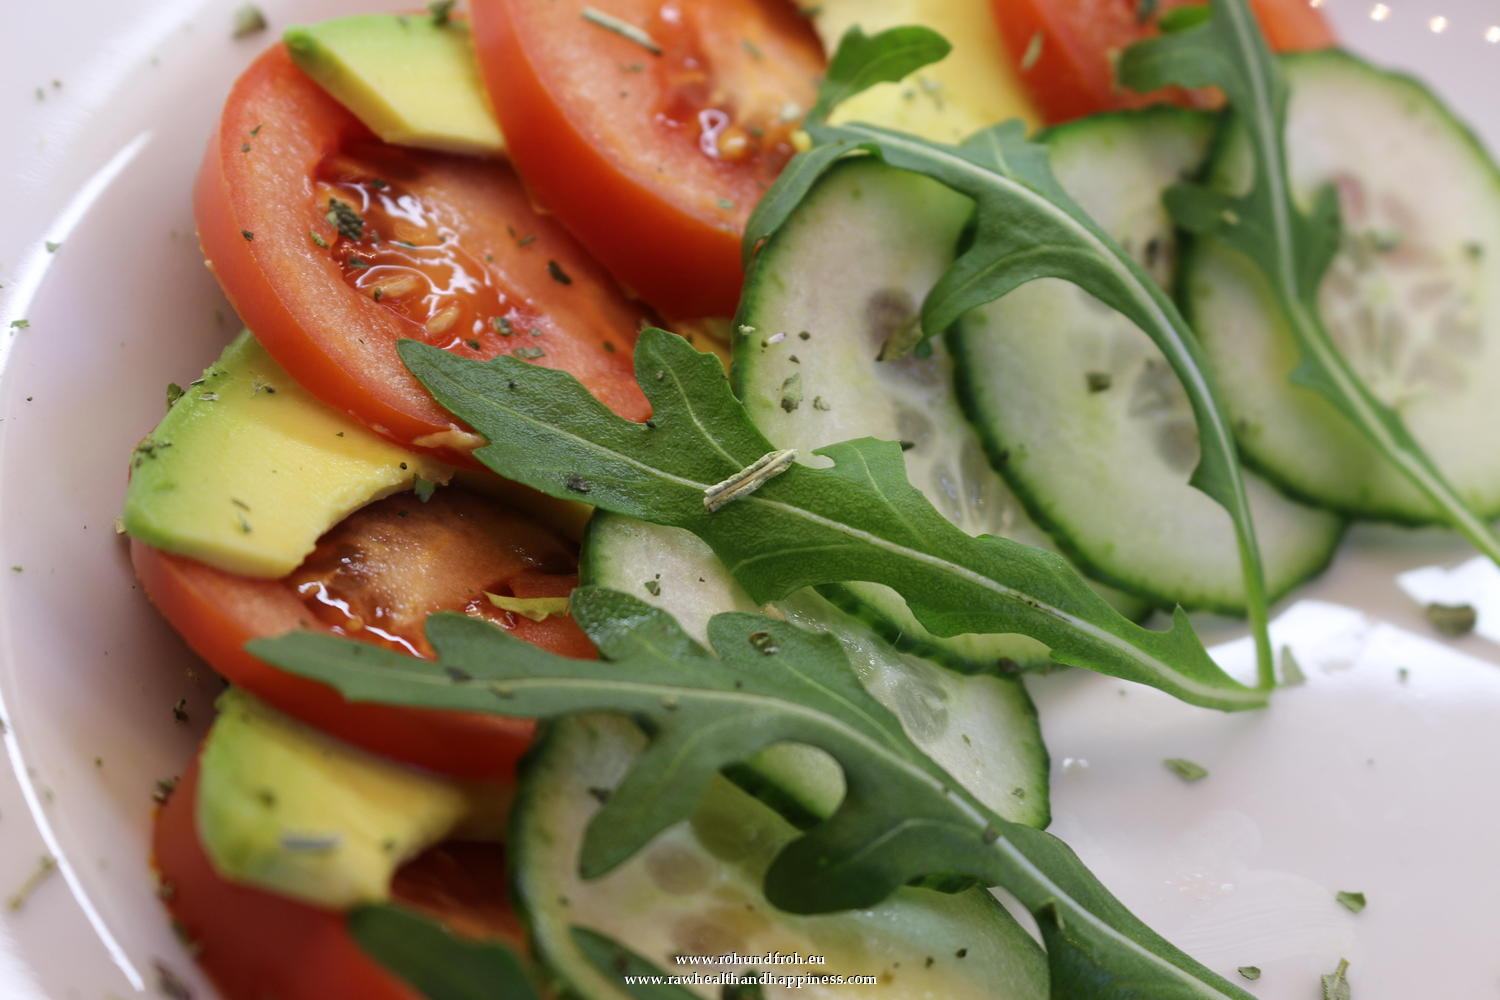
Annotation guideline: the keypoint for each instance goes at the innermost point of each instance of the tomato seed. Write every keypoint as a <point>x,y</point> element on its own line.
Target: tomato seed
<point>443,321</point>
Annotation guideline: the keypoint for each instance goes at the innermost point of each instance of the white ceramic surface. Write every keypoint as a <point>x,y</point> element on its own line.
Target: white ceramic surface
<point>1359,780</point>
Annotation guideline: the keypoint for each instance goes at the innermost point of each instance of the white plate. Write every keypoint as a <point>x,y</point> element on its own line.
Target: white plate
<point>1356,781</point>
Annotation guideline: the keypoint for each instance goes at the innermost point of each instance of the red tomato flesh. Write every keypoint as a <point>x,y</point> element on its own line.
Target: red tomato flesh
<point>255,944</point>
<point>653,159</point>
<point>375,577</point>
<point>1066,49</point>
<point>443,249</point>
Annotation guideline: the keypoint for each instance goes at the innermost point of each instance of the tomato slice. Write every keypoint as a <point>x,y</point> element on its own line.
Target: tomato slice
<point>1066,49</point>
<point>651,149</point>
<point>375,577</point>
<point>332,246</point>
<point>255,944</point>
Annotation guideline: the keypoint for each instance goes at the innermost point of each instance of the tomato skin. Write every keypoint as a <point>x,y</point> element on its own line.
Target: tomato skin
<point>559,634</point>
<point>1293,27</point>
<point>216,613</point>
<point>260,223</point>
<point>254,944</point>
<point>663,218</point>
<point>1071,73</point>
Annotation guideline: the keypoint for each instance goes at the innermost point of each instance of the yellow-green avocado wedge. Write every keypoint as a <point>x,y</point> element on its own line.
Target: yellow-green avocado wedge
<point>248,469</point>
<point>285,808</point>
<point>975,87</point>
<point>413,81</point>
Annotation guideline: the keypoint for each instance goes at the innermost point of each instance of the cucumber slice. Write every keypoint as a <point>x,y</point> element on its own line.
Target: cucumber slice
<point>695,890</point>
<point>981,728</point>
<point>1088,422</point>
<point>1410,298</point>
<point>847,272</point>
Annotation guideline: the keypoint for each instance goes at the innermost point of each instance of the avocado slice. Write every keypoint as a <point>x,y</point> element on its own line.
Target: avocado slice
<point>286,808</point>
<point>248,469</point>
<point>972,88</point>
<point>413,81</point>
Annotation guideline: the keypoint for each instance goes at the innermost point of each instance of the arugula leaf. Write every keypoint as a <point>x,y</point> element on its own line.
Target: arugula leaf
<point>608,954</point>
<point>1336,983</point>
<point>1354,902</point>
<point>439,965</point>
<point>861,62</point>
<point>859,520</point>
<point>1293,248</point>
<point>1027,227</point>
<point>1185,769</point>
<point>902,816</point>
<point>442,966</point>
<point>792,186</point>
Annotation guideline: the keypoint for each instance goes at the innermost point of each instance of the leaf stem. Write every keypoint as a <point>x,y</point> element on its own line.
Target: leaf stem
<point>1386,431</point>
<point>1257,611</point>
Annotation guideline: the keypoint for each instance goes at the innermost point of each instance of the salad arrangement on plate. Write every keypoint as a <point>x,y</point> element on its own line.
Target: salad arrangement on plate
<point>990,401</point>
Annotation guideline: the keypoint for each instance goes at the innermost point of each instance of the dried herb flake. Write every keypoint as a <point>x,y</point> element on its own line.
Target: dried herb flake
<point>791,392</point>
<point>163,790</point>
<point>45,866</point>
<point>624,29</point>
<point>1336,983</point>
<point>535,608</point>
<point>343,217</point>
<point>1452,620</point>
<point>748,479</point>
<point>1033,52</point>
<point>764,643</point>
<point>1186,769</point>
<point>1291,670</point>
<point>248,20</point>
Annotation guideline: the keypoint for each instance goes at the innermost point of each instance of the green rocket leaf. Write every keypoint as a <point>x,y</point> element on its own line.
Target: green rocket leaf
<point>1027,227</point>
<point>435,962</point>
<point>1292,247</point>
<point>861,62</point>
<point>767,681</point>
<point>859,520</point>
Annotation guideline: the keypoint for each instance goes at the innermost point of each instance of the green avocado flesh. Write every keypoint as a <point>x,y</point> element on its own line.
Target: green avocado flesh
<point>248,469</point>
<point>287,809</point>
<point>413,81</point>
